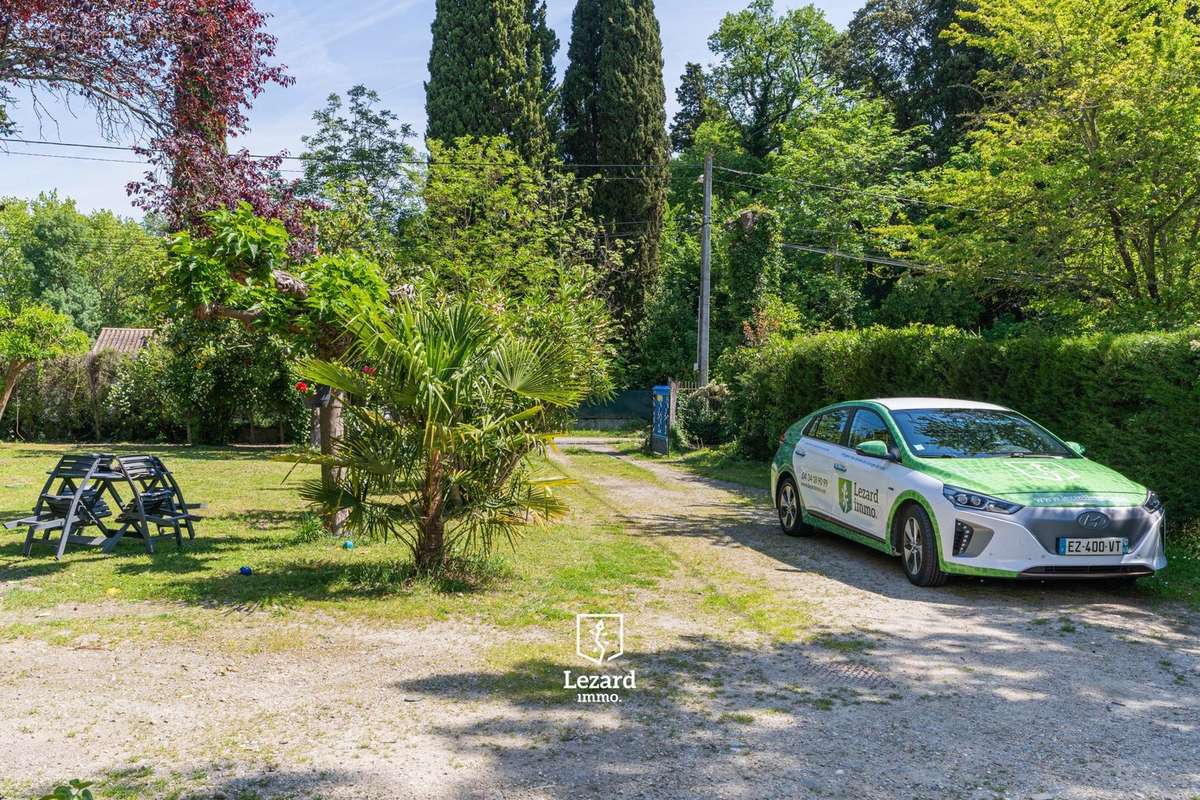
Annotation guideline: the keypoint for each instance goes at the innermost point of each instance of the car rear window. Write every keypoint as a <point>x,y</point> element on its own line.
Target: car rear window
<point>829,426</point>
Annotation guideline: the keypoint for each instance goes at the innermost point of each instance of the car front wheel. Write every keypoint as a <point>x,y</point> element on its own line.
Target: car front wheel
<point>918,548</point>
<point>791,511</point>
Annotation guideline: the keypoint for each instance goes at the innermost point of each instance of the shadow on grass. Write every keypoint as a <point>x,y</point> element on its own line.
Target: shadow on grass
<point>52,451</point>
<point>262,519</point>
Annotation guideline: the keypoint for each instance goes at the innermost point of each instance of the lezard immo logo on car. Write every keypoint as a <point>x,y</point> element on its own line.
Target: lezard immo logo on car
<point>846,494</point>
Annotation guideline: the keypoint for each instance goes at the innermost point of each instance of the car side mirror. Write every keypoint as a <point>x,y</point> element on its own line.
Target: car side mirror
<point>873,448</point>
<point>1077,447</point>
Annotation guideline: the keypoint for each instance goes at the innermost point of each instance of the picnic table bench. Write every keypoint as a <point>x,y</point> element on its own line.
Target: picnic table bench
<point>73,499</point>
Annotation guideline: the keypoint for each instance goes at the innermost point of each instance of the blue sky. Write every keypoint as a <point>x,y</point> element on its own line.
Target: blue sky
<point>329,47</point>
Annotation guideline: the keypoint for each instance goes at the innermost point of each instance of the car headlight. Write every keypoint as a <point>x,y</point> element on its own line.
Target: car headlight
<point>973,501</point>
<point>1153,504</point>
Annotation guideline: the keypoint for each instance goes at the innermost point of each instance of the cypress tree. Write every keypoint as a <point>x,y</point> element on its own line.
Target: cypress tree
<point>540,53</point>
<point>614,112</point>
<point>482,79</point>
<point>690,96</point>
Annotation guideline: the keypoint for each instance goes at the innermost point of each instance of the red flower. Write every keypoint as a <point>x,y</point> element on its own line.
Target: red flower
<point>301,387</point>
<point>369,370</point>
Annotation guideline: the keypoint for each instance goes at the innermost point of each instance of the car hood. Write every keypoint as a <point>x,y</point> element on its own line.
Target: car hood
<point>1038,481</point>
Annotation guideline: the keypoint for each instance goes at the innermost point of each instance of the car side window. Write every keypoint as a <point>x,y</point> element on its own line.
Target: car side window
<point>829,426</point>
<point>868,425</point>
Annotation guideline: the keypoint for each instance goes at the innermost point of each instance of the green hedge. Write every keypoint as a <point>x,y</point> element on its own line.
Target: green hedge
<point>1133,399</point>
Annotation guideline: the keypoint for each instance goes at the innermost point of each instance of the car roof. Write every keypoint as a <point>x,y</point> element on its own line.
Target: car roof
<point>910,403</point>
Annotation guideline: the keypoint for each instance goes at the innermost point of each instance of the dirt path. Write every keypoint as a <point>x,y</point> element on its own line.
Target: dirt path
<point>996,688</point>
<point>975,690</point>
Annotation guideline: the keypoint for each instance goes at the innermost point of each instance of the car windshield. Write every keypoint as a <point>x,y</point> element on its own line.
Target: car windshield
<point>975,433</point>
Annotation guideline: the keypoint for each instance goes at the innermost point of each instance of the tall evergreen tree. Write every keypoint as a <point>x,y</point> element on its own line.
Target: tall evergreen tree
<point>540,52</point>
<point>482,79</point>
<point>690,95</point>
<point>614,112</point>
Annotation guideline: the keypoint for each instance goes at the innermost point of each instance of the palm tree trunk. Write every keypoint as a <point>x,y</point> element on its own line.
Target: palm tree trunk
<point>330,420</point>
<point>431,546</point>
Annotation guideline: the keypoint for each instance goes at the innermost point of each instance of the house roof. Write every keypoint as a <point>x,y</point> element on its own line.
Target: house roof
<point>124,340</point>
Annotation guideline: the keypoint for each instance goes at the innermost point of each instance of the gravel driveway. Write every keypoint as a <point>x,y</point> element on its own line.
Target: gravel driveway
<point>975,690</point>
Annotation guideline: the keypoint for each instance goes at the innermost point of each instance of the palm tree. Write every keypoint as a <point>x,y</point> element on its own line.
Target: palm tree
<point>448,407</point>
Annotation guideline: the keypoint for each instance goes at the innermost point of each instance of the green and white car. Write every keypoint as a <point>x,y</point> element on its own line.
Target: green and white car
<point>956,487</point>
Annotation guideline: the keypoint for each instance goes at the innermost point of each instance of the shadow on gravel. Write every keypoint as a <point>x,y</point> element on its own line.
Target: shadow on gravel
<point>715,719</point>
<point>752,523</point>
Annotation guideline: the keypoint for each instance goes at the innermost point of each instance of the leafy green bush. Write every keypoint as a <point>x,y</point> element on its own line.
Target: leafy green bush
<point>1132,399</point>
<point>700,415</point>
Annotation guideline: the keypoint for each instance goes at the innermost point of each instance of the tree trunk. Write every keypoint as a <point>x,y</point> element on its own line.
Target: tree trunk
<point>431,546</point>
<point>314,429</point>
<point>330,419</point>
<point>1118,230</point>
<point>93,373</point>
<point>431,549</point>
<point>10,383</point>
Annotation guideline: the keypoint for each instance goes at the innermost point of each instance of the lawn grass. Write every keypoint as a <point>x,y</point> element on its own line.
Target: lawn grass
<point>1181,579</point>
<point>255,519</point>
<point>720,463</point>
<point>591,463</point>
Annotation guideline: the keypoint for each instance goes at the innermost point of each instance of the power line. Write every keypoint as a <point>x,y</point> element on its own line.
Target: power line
<point>844,189</point>
<point>72,157</point>
<point>871,259</point>
<point>888,261</point>
<point>332,160</point>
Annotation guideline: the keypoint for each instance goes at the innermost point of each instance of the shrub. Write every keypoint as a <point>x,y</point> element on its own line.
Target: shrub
<point>700,415</point>
<point>1132,399</point>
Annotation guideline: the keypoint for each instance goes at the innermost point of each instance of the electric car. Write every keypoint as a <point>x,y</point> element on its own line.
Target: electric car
<point>956,487</point>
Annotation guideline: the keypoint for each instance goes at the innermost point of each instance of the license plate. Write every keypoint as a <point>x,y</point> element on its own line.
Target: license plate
<point>1093,547</point>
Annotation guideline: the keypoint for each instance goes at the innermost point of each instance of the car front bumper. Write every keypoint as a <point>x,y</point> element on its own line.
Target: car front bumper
<point>1024,544</point>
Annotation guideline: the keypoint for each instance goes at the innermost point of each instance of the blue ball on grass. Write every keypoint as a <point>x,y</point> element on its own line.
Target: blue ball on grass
<point>246,571</point>
<point>348,544</point>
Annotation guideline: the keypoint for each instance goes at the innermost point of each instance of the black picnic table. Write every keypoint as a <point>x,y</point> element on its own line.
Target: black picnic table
<point>73,499</point>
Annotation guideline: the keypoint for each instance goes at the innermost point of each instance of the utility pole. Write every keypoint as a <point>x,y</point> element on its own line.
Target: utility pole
<point>705,269</point>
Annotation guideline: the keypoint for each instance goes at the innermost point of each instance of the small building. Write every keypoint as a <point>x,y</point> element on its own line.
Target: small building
<point>127,341</point>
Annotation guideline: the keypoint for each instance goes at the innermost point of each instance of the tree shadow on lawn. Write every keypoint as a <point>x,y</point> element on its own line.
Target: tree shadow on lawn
<point>205,571</point>
<point>52,450</point>
<point>711,718</point>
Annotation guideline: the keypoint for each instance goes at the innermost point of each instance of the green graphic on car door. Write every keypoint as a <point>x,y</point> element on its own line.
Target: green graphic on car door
<point>846,494</point>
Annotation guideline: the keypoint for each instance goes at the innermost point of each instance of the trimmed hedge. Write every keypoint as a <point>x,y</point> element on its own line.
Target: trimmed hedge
<point>1132,399</point>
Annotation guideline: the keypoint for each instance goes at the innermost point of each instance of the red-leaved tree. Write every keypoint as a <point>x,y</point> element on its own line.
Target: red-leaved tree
<point>177,75</point>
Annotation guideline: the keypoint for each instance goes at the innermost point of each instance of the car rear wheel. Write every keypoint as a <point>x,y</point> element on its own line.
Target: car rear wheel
<point>791,510</point>
<point>918,547</point>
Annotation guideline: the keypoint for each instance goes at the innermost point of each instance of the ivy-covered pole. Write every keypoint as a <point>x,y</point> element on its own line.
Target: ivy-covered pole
<point>705,269</point>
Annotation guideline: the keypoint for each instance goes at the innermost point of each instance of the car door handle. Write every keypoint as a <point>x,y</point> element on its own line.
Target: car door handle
<point>839,467</point>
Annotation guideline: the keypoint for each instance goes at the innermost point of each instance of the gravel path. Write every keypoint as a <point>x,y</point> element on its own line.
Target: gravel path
<point>975,690</point>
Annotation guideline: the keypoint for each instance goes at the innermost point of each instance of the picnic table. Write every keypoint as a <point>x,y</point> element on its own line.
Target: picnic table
<point>73,499</point>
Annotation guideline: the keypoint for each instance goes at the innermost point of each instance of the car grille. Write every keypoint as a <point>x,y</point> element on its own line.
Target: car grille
<point>1114,570</point>
<point>1049,524</point>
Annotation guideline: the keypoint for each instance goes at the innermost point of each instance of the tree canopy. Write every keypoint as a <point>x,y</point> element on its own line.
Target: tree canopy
<point>30,334</point>
<point>1082,179</point>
